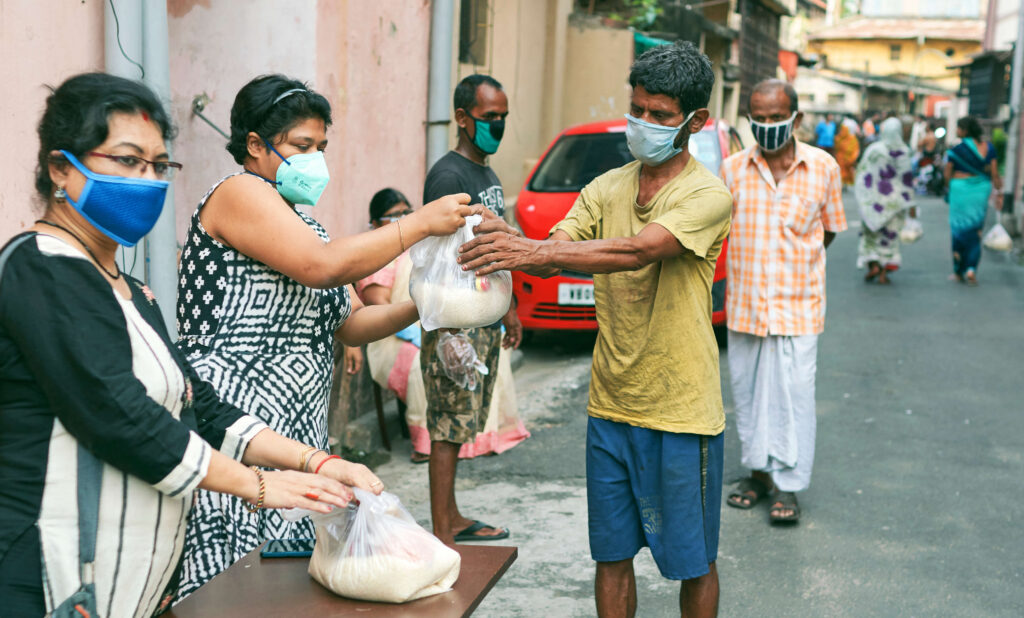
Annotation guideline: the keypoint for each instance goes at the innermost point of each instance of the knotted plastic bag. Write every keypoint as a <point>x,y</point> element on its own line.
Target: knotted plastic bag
<point>446,295</point>
<point>912,231</point>
<point>377,552</point>
<point>997,238</point>
<point>459,360</point>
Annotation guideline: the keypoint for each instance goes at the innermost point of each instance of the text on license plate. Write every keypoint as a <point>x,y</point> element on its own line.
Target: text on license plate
<point>575,293</point>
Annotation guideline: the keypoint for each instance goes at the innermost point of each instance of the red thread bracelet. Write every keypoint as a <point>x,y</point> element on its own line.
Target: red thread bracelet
<point>326,459</point>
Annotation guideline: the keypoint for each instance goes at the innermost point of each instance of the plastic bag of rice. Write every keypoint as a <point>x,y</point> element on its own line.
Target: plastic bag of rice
<point>446,295</point>
<point>377,552</point>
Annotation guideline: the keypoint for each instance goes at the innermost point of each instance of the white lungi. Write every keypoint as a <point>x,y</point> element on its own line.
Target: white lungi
<point>773,390</point>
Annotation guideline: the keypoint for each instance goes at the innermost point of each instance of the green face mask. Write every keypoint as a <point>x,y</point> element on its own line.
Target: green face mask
<point>488,134</point>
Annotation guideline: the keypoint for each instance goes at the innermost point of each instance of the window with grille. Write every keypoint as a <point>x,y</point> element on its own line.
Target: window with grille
<point>473,32</point>
<point>894,52</point>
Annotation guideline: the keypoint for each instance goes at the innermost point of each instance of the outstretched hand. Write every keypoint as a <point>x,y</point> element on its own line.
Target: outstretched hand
<point>287,489</point>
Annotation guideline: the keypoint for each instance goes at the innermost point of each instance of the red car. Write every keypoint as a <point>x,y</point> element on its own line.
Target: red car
<point>577,156</point>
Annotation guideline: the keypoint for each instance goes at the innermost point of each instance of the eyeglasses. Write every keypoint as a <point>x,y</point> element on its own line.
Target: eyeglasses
<point>163,169</point>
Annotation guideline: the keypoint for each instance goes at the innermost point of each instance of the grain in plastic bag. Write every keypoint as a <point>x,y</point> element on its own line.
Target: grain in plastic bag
<point>998,239</point>
<point>377,552</point>
<point>449,297</point>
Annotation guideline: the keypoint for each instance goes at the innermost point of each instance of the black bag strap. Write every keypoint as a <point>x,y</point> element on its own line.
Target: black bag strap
<point>90,471</point>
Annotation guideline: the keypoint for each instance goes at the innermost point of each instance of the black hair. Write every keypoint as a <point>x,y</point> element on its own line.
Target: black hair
<point>77,117</point>
<point>255,111</point>
<point>771,85</point>
<point>971,126</point>
<point>384,200</point>
<point>465,92</point>
<point>679,71</point>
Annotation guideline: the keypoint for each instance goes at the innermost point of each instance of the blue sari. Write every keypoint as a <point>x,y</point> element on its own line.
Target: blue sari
<point>968,204</point>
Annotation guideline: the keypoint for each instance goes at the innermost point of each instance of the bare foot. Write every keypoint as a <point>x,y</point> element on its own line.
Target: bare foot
<point>873,271</point>
<point>883,278</point>
<point>956,277</point>
<point>972,278</point>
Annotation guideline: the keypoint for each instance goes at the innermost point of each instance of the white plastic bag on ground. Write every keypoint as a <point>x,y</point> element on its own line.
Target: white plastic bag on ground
<point>912,231</point>
<point>446,295</point>
<point>997,238</point>
<point>459,360</point>
<point>378,552</point>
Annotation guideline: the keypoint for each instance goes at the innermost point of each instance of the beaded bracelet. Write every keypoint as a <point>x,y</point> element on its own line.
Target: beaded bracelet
<point>326,459</point>
<point>263,490</point>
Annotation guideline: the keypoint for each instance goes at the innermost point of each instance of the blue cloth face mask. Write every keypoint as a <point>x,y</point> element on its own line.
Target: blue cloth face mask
<point>653,144</point>
<point>488,134</point>
<point>302,178</point>
<point>122,208</point>
<point>772,137</point>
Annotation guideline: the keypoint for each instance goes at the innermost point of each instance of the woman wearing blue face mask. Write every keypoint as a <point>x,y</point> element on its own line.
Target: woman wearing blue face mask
<point>105,429</point>
<point>263,292</point>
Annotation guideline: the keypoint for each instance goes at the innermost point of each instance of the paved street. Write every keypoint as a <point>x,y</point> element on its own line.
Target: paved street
<point>915,506</point>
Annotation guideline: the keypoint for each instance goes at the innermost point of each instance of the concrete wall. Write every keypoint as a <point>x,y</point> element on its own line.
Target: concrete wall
<point>40,46</point>
<point>928,61</point>
<point>597,72</point>
<point>818,93</point>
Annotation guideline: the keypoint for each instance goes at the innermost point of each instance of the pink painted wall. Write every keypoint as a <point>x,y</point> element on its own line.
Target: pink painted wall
<point>372,63</point>
<point>39,46</point>
<point>355,53</point>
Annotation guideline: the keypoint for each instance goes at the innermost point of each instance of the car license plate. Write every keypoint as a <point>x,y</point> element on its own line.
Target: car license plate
<point>576,294</point>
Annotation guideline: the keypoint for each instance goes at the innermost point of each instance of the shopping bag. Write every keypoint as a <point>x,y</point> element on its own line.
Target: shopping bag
<point>912,231</point>
<point>459,360</point>
<point>377,552</point>
<point>446,295</point>
<point>997,238</point>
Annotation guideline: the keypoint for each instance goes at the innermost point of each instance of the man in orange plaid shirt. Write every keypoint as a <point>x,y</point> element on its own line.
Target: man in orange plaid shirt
<point>787,208</point>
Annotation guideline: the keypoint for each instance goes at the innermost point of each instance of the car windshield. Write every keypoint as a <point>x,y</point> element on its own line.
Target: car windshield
<point>575,160</point>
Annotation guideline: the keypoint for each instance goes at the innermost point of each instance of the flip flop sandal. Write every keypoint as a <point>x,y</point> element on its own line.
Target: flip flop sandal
<point>470,533</point>
<point>784,501</point>
<point>743,490</point>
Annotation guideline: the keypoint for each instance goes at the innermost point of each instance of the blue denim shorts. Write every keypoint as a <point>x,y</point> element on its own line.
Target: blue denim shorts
<point>657,489</point>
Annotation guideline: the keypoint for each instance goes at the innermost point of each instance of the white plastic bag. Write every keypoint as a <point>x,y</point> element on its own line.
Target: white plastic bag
<point>912,231</point>
<point>378,552</point>
<point>997,238</point>
<point>459,360</point>
<point>446,295</point>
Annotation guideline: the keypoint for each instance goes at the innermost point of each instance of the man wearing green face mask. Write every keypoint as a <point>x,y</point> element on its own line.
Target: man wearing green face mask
<point>454,415</point>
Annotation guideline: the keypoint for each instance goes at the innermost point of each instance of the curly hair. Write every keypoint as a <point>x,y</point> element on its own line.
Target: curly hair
<point>679,71</point>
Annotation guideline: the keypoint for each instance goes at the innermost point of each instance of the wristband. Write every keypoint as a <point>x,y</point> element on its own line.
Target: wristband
<point>326,459</point>
<point>263,490</point>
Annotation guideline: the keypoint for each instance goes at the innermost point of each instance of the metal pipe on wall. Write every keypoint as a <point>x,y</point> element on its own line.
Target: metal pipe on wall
<point>439,86</point>
<point>1013,146</point>
<point>122,55</point>
<point>161,242</point>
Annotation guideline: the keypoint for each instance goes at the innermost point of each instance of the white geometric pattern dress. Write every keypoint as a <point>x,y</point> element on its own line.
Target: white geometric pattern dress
<point>264,341</point>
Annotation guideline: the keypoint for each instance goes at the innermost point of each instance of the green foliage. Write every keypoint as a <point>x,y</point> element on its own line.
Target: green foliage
<point>641,13</point>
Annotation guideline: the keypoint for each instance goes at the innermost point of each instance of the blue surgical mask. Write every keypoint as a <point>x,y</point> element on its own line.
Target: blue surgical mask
<point>122,208</point>
<point>488,134</point>
<point>302,178</point>
<point>653,144</point>
<point>772,137</point>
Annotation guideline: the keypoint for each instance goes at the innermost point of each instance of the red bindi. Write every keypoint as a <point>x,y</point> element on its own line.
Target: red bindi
<point>145,116</point>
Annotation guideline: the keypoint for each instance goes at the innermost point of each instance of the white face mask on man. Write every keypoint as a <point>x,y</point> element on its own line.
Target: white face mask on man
<point>653,144</point>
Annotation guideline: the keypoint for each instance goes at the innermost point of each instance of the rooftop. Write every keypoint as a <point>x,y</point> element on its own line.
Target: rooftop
<point>903,28</point>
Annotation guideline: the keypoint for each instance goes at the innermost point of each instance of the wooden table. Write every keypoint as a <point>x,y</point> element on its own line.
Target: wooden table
<point>256,586</point>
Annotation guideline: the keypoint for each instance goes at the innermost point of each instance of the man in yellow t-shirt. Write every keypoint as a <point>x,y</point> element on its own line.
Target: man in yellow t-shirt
<point>650,231</point>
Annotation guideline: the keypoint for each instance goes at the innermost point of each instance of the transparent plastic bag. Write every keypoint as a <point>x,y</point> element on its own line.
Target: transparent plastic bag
<point>997,238</point>
<point>377,552</point>
<point>912,231</point>
<point>459,360</point>
<point>446,295</point>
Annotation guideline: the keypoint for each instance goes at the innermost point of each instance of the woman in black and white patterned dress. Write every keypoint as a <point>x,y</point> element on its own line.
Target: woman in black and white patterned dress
<point>262,292</point>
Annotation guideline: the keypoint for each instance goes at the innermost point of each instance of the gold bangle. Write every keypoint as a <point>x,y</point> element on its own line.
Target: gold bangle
<point>401,237</point>
<point>263,490</point>
<point>302,457</point>
<point>309,461</point>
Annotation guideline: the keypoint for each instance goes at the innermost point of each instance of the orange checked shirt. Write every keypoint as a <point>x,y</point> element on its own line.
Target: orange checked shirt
<point>776,257</point>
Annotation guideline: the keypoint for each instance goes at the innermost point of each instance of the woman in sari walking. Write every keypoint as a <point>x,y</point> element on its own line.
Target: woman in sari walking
<point>847,151</point>
<point>884,190</point>
<point>972,170</point>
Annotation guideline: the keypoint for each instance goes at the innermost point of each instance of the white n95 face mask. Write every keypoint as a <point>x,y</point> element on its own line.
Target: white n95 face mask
<point>653,144</point>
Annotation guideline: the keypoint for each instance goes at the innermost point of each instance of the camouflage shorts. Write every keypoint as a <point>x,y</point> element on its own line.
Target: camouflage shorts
<point>455,414</point>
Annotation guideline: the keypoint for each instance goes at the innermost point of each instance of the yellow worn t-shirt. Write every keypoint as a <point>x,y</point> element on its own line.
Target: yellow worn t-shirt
<point>656,359</point>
